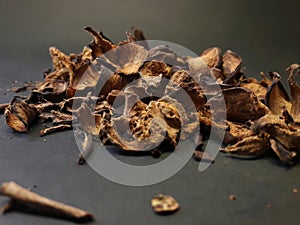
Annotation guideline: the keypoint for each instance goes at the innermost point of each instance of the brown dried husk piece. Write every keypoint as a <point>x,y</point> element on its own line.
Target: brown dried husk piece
<point>249,146</point>
<point>19,114</point>
<point>231,61</point>
<point>256,87</point>
<point>158,123</point>
<point>182,80</point>
<point>284,138</point>
<point>130,69</point>
<point>241,105</point>
<point>294,70</point>
<point>236,132</point>
<point>276,97</point>
<point>212,57</point>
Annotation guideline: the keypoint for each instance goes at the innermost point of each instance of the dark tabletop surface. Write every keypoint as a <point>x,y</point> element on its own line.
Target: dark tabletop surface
<point>265,33</point>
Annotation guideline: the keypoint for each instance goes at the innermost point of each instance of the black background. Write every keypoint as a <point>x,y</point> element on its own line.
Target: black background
<point>265,33</point>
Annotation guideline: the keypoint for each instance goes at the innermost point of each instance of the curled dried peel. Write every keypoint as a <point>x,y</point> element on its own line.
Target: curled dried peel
<point>101,44</point>
<point>282,152</point>
<point>19,114</point>
<point>294,70</point>
<point>231,63</point>
<point>276,97</point>
<point>155,68</point>
<point>212,57</point>
<point>278,130</point>
<point>241,105</point>
<point>94,122</point>
<point>136,55</point>
<point>159,119</point>
<point>236,132</point>
<point>256,87</point>
<point>253,145</point>
<point>182,80</point>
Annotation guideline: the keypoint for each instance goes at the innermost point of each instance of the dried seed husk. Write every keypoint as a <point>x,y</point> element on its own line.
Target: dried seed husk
<point>278,130</point>
<point>231,63</point>
<point>164,204</point>
<point>241,105</point>
<point>236,132</point>
<point>19,114</point>
<point>148,86</point>
<point>164,54</point>
<point>276,97</point>
<point>85,77</point>
<point>54,129</point>
<point>256,87</point>
<point>283,153</point>
<point>101,44</point>
<point>93,122</point>
<point>116,82</point>
<point>155,68</point>
<point>61,118</point>
<point>294,70</point>
<point>212,57</point>
<point>249,146</point>
<point>182,80</point>
<point>127,59</point>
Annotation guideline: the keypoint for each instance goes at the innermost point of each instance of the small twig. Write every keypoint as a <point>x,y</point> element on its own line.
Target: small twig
<point>7,207</point>
<point>53,129</point>
<point>20,195</point>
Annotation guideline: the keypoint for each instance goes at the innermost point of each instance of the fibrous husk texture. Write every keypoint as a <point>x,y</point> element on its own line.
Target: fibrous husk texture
<point>148,98</point>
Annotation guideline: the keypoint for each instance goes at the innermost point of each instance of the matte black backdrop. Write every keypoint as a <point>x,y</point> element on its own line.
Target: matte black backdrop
<point>265,33</point>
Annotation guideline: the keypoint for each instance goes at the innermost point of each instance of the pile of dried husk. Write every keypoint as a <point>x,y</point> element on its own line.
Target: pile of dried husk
<point>260,115</point>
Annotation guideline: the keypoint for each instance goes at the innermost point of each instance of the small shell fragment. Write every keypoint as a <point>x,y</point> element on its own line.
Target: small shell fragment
<point>164,204</point>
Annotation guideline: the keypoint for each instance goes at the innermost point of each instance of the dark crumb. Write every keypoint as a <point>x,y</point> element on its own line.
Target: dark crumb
<point>34,186</point>
<point>81,160</point>
<point>198,156</point>
<point>156,153</point>
<point>232,197</point>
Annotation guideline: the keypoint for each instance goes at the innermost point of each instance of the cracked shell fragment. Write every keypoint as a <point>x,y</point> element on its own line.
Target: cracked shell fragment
<point>241,105</point>
<point>164,204</point>
<point>294,70</point>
